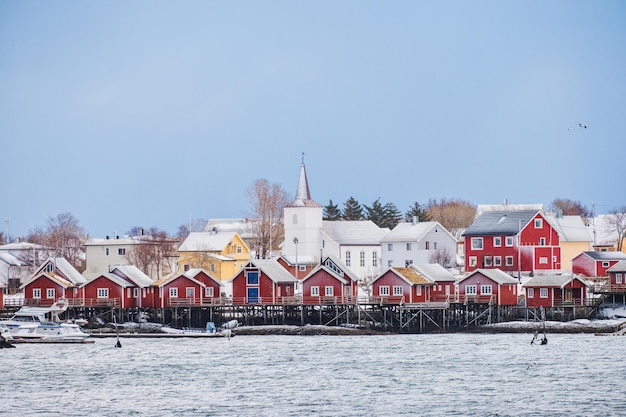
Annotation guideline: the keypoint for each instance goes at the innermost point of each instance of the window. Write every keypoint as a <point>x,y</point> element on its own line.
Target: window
<point>190,292</point>
<point>136,292</point>
<point>470,289</point>
<point>50,293</point>
<point>408,262</point>
<point>208,292</point>
<point>618,278</point>
<point>508,261</point>
<point>390,247</point>
<point>328,291</point>
<point>252,278</point>
<point>186,267</point>
<point>418,290</point>
<point>302,268</point>
<point>384,290</point>
<point>173,292</point>
<point>477,243</point>
<point>212,267</point>
<point>485,289</point>
<point>121,251</point>
<point>530,292</point>
<point>374,258</point>
<point>409,246</point>
<point>348,256</point>
<point>49,268</point>
<point>487,261</point>
<point>128,290</point>
<point>605,264</point>
<point>509,241</point>
<point>239,250</point>
<point>106,252</point>
<point>36,292</point>
<point>538,223</point>
<point>103,293</point>
<point>543,260</point>
<point>497,241</point>
<point>427,245</point>
<point>435,245</point>
<point>497,261</point>
<point>362,258</point>
<point>315,291</point>
<point>398,290</point>
<point>543,292</point>
<point>472,261</point>
<point>389,264</point>
<point>542,241</point>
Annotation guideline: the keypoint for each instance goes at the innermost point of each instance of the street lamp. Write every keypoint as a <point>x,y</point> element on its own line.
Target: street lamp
<point>295,241</point>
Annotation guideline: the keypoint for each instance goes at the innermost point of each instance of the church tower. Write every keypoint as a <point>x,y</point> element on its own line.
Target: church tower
<point>303,223</point>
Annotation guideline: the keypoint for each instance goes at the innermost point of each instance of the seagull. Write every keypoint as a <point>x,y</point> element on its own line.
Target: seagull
<point>582,125</point>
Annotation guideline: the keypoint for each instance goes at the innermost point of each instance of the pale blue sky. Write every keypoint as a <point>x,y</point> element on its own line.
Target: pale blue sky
<point>148,113</point>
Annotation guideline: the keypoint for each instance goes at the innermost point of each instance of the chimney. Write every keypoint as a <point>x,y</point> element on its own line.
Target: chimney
<point>415,220</point>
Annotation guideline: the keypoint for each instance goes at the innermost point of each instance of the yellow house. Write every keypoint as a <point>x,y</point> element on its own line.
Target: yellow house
<point>574,238</point>
<point>223,254</point>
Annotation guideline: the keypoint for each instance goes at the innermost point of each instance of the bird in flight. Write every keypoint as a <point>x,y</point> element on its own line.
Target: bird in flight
<point>582,126</point>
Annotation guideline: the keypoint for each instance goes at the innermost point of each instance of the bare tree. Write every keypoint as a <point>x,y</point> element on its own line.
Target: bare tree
<point>154,251</point>
<point>63,237</point>
<point>455,215</point>
<point>442,257</point>
<point>616,222</point>
<point>266,212</point>
<point>569,207</point>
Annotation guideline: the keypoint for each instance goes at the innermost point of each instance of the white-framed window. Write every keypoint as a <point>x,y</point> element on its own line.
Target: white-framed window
<point>103,293</point>
<point>128,292</point>
<point>50,293</point>
<point>398,290</point>
<point>136,292</point>
<point>605,264</point>
<point>508,241</point>
<point>374,258</point>
<point>477,243</point>
<point>435,245</point>
<point>302,268</point>
<point>427,245</point>
<point>362,258</point>
<point>190,292</point>
<point>328,290</point>
<point>208,292</point>
<point>390,247</point>
<point>174,292</point>
<point>383,290</point>
<point>121,251</point>
<point>239,249</point>
<point>472,261</point>
<point>508,261</point>
<point>252,278</point>
<point>497,241</point>
<point>470,289</point>
<point>543,292</point>
<point>530,292</point>
<point>418,290</point>
<point>348,258</point>
<point>390,263</point>
<point>487,261</point>
<point>542,241</point>
<point>543,260</point>
<point>37,293</point>
<point>538,223</point>
<point>618,278</point>
<point>315,291</point>
<point>485,289</point>
<point>409,246</point>
<point>497,261</point>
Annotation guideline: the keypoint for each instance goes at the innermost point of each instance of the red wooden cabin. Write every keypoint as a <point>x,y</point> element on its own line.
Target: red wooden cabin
<point>488,286</point>
<point>55,278</point>
<point>555,291</point>
<point>596,264</point>
<point>330,283</point>
<point>401,286</point>
<point>444,282</point>
<point>617,277</point>
<point>263,281</point>
<point>178,290</point>
<point>106,290</point>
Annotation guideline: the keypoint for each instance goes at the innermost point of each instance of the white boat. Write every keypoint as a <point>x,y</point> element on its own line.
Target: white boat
<point>42,325</point>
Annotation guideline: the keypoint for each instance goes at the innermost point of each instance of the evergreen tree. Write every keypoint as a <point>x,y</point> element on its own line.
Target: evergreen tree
<point>375,212</point>
<point>418,210</point>
<point>392,216</point>
<point>331,212</point>
<point>352,210</point>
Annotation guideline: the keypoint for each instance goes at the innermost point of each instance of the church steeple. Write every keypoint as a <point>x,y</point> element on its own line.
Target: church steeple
<point>303,194</point>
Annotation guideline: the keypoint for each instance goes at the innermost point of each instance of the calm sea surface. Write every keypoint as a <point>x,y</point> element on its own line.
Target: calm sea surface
<point>400,375</point>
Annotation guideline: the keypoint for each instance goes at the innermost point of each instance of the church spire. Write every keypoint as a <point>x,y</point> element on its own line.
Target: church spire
<point>303,194</point>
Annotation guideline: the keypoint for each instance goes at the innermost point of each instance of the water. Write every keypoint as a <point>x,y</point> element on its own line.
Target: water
<point>399,375</point>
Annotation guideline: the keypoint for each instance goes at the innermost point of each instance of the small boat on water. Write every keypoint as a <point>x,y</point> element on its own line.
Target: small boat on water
<point>42,325</point>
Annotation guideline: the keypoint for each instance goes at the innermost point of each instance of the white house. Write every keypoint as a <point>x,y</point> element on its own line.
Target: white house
<point>102,255</point>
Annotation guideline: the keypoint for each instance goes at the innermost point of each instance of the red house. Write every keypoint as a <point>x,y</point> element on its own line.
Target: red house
<point>521,241</point>
<point>331,282</point>
<point>124,287</point>
<point>2,289</point>
<point>303,269</point>
<point>401,286</point>
<point>55,278</point>
<point>596,264</point>
<point>555,291</point>
<point>617,277</point>
<point>488,286</point>
<point>444,282</point>
<point>263,281</point>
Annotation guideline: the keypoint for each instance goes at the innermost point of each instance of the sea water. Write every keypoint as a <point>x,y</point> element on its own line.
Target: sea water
<point>396,375</point>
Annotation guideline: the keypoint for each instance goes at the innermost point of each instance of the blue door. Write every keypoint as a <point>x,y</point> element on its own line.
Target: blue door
<point>253,295</point>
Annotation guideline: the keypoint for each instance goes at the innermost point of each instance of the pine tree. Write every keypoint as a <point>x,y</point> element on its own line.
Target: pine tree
<point>418,210</point>
<point>352,210</point>
<point>331,212</point>
<point>392,216</point>
<point>375,212</point>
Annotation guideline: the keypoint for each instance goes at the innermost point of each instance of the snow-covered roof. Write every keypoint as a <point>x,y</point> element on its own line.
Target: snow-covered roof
<point>275,271</point>
<point>62,267</point>
<point>505,223</point>
<point>303,194</point>
<point>481,208</point>
<point>122,282</point>
<point>20,246</point>
<point>412,232</point>
<point>434,272</point>
<point>354,232</point>
<point>618,267</point>
<point>570,228</point>
<point>206,241</point>
<point>496,275</point>
<point>606,255</point>
<point>559,281</point>
<point>134,274</point>
<point>52,277</point>
<point>112,242</point>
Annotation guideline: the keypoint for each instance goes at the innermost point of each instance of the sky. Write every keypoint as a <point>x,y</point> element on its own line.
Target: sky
<point>155,113</point>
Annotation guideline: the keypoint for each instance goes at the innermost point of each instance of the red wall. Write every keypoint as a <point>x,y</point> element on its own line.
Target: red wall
<point>503,294</point>
<point>585,265</point>
<point>44,283</point>
<point>90,290</point>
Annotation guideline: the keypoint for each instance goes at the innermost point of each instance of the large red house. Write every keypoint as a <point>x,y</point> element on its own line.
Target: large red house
<point>401,286</point>
<point>126,286</point>
<point>596,264</point>
<point>55,278</point>
<point>520,241</point>
<point>488,286</point>
<point>263,281</point>
<point>555,291</point>
<point>331,282</point>
<point>194,287</point>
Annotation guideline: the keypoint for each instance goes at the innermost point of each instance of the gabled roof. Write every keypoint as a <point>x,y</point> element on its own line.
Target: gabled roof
<point>411,276</point>
<point>122,282</point>
<point>193,272</point>
<point>496,275</point>
<point>172,277</point>
<point>21,246</point>
<point>412,232</point>
<point>206,241</point>
<point>335,267</point>
<point>52,277</point>
<point>606,255</point>
<point>570,228</point>
<point>133,274</point>
<point>272,269</point>
<point>434,272</point>
<point>354,232</point>
<point>558,281</point>
<point>64,268</point>
<point>500,223</point>
<point>618,267</point>
<point>303,194</point>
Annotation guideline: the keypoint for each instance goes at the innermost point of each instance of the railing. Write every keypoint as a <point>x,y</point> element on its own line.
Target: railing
<point>196,301</point>
<point>583,302</point>
<point>94,302</point>
<point>476,299</point>
<point>291,300</point>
